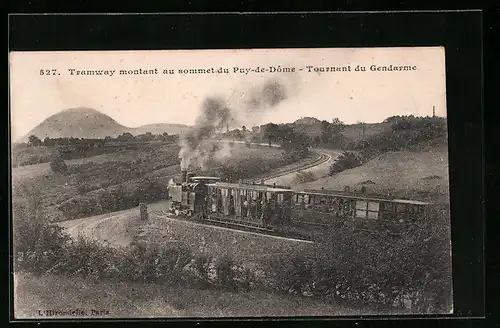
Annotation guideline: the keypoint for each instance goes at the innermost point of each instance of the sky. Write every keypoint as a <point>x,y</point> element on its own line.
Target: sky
<point>134,100</point>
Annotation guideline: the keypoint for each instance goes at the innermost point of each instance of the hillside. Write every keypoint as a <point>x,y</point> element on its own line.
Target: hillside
<point>420,175</point>
<point>82,122</point>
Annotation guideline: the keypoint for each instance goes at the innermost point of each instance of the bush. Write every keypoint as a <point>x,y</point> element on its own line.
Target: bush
<point>89,258</point>
<point>202,268</point>
<point>290,274</point>
<point>304,177</point>
<point>375,270</point>
<point>37,244</point>
<point>225,272</point>
<point>58,165</point>
<point>347,160</point>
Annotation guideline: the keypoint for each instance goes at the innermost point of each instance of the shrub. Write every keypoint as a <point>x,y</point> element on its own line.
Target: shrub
<point>58,165</point>
<point>375,270</point>
<point>290,274</point>
<point>201,266</point>
<point>225,272</point>
<point>37,244</point>
<point>347,160</point>
<point>89,258</point>
<point>304,177</point>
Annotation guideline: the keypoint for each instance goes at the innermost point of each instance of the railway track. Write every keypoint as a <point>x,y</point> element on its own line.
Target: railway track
<point>240,226</point>
<point>323,158</point>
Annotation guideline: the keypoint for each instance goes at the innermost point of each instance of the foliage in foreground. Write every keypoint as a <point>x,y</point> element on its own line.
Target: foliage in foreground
<point>349,267</point>
<point>411,271</point>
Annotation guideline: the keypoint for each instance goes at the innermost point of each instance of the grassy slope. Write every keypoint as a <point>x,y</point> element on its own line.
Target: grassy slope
<point>402,172</point>
<point>127,300</point>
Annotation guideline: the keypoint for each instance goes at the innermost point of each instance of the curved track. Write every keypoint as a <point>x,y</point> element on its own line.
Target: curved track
<point>117,228</point>
<point>318,168</point>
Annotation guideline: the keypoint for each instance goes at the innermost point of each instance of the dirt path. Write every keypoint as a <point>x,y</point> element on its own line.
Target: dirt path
<point>117,228</point>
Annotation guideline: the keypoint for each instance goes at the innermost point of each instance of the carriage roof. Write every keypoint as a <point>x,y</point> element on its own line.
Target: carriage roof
<point>351,195</point>
<point>261,188</point>
<point>204,178</point>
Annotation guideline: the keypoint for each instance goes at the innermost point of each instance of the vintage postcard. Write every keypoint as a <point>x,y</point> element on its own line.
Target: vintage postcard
<point>230,183</point>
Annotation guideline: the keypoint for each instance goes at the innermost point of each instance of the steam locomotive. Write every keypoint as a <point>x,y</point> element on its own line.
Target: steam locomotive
<point>283,211</point>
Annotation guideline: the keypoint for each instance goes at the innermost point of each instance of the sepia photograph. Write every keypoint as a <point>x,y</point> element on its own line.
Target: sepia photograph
<point>232,183</point>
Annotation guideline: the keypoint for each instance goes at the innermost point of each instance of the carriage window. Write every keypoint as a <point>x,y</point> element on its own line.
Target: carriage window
<point>373,209</point>
<point>389,207</point>
<point>361,206</point>
<point>401,208</point>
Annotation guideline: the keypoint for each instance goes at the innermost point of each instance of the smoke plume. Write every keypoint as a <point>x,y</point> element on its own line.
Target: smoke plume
<point>241,108</point>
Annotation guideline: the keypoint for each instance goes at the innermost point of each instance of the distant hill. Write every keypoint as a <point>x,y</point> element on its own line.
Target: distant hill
<point>160,128</point>
<point>307,121</point>
<point>82,122</point>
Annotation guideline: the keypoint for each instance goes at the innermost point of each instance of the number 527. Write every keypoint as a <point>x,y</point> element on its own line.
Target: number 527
<point>48,72</point>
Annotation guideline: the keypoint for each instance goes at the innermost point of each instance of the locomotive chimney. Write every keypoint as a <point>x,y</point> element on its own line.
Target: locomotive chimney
<point>183,176</point>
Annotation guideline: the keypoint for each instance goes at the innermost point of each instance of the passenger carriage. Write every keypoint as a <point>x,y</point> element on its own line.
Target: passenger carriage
<point>325,207</point>
<point>256,205</point>
<point>287,212</point>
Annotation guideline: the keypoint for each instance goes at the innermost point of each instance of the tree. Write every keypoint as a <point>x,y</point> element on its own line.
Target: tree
<point>34,141</point>
<point>58,165</point>
<point>126,136</point>
<point>316,141</point>
<point>270,132</point>
<point>244,129</point>
<point>331,132</point>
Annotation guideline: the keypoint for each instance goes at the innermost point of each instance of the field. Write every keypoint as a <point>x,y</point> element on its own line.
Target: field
<point>127,300</point>
<point>421,175</point>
